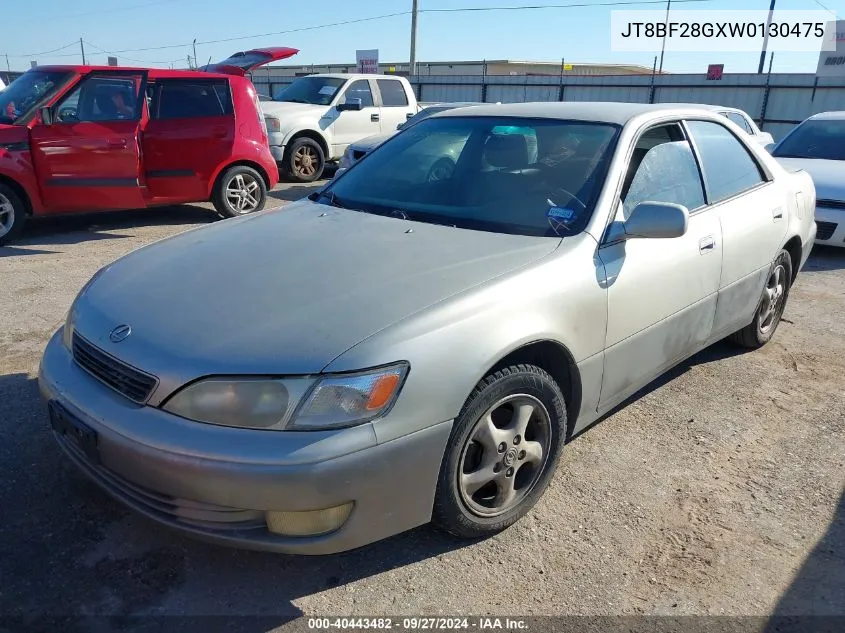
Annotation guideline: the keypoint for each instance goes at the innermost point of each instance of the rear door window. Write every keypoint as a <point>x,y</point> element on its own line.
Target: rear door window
<point>728,167</point>
<point>392,93</point>
<point>191,98</point>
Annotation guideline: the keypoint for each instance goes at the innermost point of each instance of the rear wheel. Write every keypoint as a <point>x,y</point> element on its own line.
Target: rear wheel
<point>503,451</point>
<point>772,304</point>
<point>12,214</point>
<point>305,160</point>
<point>239,191</point>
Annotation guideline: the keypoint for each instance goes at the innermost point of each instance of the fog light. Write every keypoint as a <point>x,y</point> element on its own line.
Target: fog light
<point>310,523</point>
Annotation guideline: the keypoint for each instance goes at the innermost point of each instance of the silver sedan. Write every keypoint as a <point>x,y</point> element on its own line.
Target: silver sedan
<point>395,350</point>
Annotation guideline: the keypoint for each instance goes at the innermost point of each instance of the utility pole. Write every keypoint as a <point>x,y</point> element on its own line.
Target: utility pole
<point>412,70</point>
<point>82,48</point>
<point>766,39</point>
<point>9,68</point>
<point>195,52</point>
<point>663,48</point>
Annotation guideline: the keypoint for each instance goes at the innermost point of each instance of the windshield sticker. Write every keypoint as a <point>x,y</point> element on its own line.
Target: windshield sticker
<point>560,214</point>
<point>327,90</point>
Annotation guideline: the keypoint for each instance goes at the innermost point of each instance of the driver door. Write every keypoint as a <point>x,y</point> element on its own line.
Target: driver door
<point>661,293</point>
<point>89,158</point>
<point>353,125</point>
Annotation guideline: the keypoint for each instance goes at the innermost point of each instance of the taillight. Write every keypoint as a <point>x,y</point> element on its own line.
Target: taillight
<point>260,114</point>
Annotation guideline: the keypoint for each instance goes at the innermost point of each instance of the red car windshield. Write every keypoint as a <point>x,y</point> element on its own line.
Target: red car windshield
<point>28,91</point>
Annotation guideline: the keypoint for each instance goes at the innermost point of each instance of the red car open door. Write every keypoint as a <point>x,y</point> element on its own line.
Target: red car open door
<point>88,156</point>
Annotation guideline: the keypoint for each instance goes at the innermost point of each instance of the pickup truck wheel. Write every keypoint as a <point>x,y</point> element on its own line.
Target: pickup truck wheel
<point>239,191</point>
<point>304,160</point>
<point>12,214</point>
<point>502,453</point>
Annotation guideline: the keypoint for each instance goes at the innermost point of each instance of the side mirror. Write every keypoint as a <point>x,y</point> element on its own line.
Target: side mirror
<point>46,115</point>
<point>769,147</point>
<point>352,104</point>
<point>657,220</point>
<point>399,126</point>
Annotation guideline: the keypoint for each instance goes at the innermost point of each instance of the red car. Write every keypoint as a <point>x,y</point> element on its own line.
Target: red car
<point>91,138</point>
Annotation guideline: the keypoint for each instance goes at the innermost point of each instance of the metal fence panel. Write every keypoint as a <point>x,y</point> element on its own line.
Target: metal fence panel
<point>519,94</point>
<point>627,94</point>
<point>442,92</point>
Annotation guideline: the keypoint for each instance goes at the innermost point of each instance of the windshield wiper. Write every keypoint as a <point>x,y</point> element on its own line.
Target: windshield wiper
<point>329,196</point>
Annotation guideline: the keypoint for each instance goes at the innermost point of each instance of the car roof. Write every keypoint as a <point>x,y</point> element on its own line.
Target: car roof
<point>594,111</point>
<point>836,115</point>
<point>155,73</point>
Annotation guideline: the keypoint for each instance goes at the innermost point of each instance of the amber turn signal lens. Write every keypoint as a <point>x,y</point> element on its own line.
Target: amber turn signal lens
<point>382,391</point>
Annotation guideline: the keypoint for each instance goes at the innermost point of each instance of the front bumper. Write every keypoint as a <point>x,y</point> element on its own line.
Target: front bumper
<point>826,217</point>
<point>215,483</point>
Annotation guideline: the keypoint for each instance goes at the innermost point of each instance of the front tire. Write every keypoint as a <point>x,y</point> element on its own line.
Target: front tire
<point>504,448</point>
<point>239,191</point>
<point>772,303</point>
<point>12,214</point>
<point>304,160</point>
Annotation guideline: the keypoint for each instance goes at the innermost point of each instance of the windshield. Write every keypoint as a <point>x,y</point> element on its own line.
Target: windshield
<point>819,138</point>
<point>28,91</point>
<point>522,176</point>
<point>316,90</point>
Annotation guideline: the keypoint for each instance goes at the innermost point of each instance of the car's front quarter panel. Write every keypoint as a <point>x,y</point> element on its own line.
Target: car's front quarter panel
<point>453,345</point>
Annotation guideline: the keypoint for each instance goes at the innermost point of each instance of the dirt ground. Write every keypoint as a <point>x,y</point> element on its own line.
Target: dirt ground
<point>718,490</point>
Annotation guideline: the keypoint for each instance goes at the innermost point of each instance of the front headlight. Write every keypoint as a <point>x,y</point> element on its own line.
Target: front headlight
<point>273,124</point>
<point>326,402</point>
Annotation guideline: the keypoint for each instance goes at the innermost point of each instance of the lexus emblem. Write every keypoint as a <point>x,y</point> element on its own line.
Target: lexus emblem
<point>120,333</point>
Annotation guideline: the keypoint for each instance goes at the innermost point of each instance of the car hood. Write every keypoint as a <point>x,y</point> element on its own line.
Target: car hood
<point>284,291</point>
<point>371,142</point>
<point>828,175</point>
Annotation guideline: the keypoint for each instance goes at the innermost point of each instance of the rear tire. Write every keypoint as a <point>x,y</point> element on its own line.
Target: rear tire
<point>12,214</point>
<point>240,190</point>
<point>772,304</point>
<point>304,160</point>
<point>504,448</point>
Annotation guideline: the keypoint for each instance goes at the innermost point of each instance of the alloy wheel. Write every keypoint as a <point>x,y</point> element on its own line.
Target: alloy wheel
<point>305,161</point>
<point>773,297</point>
<point>504,455</point>
<point>7,215</point>
<point>243,194</point>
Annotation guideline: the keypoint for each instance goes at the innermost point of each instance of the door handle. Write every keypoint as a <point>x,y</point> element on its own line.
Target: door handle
<point>374,118</point>
<point>117,143</point>
<point>777,214</point>
<point>706,244</point>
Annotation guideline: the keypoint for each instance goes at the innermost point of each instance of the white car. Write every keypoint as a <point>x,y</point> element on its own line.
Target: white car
<point>818,147</point>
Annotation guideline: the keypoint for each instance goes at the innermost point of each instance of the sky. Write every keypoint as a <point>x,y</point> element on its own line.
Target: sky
<point>160,33</point>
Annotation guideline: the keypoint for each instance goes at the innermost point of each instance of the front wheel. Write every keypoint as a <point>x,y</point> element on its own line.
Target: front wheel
<point>771,307</point>
<point>239,191</point>
<point>503,451</point>
<point>12,214</point>
<point>304,160</point>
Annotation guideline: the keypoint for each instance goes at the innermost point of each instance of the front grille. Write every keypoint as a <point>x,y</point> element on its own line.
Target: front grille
<point>831,204</point>
<point>126,380</point>
<point>824,230</point>
<point>166,508</point>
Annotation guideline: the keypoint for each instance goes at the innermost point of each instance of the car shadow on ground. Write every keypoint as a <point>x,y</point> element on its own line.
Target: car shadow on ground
<point>815,600</point>
<point>77,228</point>
<point>68,552</point>
<point>824,258</point>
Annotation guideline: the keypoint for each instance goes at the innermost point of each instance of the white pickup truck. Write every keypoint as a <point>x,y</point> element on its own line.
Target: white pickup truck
<point>314,119</point>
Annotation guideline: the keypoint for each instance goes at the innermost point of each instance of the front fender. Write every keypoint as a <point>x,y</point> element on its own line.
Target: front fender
<point>16,167</point>
<point>453,344</point>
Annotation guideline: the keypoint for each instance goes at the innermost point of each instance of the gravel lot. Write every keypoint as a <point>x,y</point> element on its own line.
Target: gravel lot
<point>717,490</point>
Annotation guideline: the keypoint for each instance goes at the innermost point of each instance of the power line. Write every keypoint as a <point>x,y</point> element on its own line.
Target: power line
<point>61,48</point>
<point>132,59</point>
<point>614,3</point>
<point>824,7</point>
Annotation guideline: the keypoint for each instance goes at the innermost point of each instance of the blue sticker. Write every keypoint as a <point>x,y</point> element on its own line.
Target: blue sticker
<point>560,213</point>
